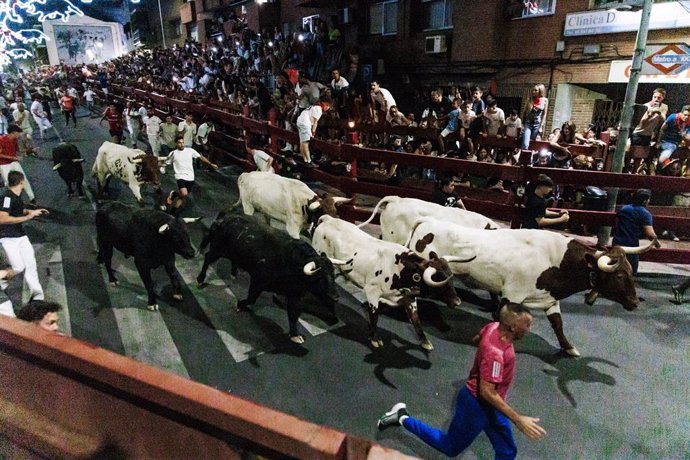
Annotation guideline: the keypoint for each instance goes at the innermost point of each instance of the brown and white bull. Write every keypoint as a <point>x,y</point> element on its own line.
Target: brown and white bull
<point>131,166</point>
<point>287,200</point>
<point>389,273</point>
<point>535,268</point>
<point>398,216</point>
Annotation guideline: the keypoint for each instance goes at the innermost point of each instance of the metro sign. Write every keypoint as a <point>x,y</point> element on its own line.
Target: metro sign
<point>666,59</point>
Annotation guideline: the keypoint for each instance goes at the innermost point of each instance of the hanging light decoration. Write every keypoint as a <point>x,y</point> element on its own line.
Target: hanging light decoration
<point>15,11</point>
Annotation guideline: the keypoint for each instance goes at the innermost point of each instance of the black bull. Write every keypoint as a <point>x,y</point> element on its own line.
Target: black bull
<point>275,262</point>
<point>151,237</point>
<point>67,161</point>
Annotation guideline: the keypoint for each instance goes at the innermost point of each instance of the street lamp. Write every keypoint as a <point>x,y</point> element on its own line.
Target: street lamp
<point>628,110</point>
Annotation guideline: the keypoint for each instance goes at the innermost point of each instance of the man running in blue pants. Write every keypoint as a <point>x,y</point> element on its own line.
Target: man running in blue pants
<point>481,404</point>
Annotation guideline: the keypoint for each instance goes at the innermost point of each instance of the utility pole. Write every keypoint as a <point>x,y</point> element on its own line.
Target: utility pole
<point>628,111</point>
<point>160,14</point>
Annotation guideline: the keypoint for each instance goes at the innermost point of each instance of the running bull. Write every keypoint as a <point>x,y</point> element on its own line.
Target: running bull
<point>275,264</point>
<point>67,162</point>
<point>389,273</point>
<point>287,200</point>
<point>398,216</point>
<point>151,237</point>
<point>535,268</point>
<point>131,166</point>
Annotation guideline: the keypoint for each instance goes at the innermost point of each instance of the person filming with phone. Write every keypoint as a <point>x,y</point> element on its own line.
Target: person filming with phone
<point>648,127</point>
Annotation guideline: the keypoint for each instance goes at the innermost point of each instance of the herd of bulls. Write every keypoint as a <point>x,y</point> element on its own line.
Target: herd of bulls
<point>423,247</point>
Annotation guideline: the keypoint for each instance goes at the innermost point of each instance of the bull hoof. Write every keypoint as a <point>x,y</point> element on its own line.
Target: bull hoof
<point>456,304</point>
<point>297,339</point>
<point>177,296</point>
<point>573,352</point>
<point>114,283</point>
<point>376,342</point>
<point>241,308</point>
<point>153,307</point>
<point>427,345</point>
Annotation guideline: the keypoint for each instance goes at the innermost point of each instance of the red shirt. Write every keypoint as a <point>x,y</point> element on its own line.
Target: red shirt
<point>494,362</point>
<point>67,103</point>
<point>9,148</point>
<point>114,119</point>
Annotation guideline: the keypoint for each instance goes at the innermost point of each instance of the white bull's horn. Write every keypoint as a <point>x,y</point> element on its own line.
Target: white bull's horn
<point>135,161</point>
<point>428,273</point>
<point>598,253</point>
<point>310,268</point>
<point>340,200</point>
<point>315,205</point>
<point>77,160</point>
<point>57,166</point>
<point>337,261</point>
<point>190,220</point>
<point>638,249</point>
<point>604,264</point>
<point>451,259</point>
<point>164,228</point>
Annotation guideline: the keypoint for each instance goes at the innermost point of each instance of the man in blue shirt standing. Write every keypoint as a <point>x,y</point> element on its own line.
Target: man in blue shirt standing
<point>672,132</point>
<point>634,221</point>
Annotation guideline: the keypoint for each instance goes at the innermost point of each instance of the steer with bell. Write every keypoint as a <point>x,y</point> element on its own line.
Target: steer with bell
<point>389,273</point>
<point>275,264</point>
<point>398,216</point>
<point>287,200</point>
<point>151,237</point>
<point>67,162</point>
<point>131,166</point>
<point>535,268</point>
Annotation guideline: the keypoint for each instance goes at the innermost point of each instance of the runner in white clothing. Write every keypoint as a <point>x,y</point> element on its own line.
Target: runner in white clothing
<point>182,159</point>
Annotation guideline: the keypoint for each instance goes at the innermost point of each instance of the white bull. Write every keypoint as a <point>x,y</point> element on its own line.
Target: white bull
<point>398,216</point>
<point>535,268</point>
<point>389,273</point>
<point>131,166</point>
<point>287,200</point>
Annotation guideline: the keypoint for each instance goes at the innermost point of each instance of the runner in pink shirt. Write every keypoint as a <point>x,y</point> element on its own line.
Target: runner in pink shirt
<point>481,404</point>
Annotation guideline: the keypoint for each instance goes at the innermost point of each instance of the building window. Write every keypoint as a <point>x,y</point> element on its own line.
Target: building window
<point>520,9</point>
<point>309,23</point>
<point>438,14</point>
<point>383,18</point>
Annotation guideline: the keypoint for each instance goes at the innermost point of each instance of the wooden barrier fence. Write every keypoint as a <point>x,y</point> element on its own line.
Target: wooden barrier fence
<point>494,204</point>
<point>64,398</point>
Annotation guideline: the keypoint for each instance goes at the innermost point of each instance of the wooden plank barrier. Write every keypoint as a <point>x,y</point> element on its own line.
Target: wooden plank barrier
<point>64,398</point>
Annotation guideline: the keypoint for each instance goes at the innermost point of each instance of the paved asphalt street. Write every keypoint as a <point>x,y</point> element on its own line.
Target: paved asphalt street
<point>627,397</point>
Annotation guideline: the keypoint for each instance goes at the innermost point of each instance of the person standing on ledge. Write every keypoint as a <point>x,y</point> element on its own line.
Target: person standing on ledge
<point>481,404</point>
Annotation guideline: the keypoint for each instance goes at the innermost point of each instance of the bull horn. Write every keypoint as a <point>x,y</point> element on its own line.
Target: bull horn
<point>451,259</point>
<point>190,220</point>
<point>337,261</point>
<point>135,161</point>
<point>315,205</point>
<point>431,271</point>
<point>598,253</point>
<point>638,249</point>
<point>57,166</point>
<point>604,264</point>
<point>339,200</point>
<point>77,160</point>
<point>310,268</point>
<point>164,228</point>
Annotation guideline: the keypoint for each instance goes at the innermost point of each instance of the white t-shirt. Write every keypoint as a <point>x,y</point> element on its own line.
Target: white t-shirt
<point>182,161</point>
<point>189,132</point>
<point>88,95</point>
<point>72,92</point>
<point>202,133</point>
<point>493,121</point>
<point>25,124</point>
<point>340,84</point>
<point>512,126</point>
<point>37,109</point>
<point>306,116</point>
<point>466,118</point>
<point>261,159</point>
<point>153,125</point>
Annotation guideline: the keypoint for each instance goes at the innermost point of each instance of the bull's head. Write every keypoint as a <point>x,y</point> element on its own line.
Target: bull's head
<point>322,204</point>
<point>614,278</point>
<point>148,169</point>
<point>177,238</point>
<point>321,278</point>
<point>416,269</point>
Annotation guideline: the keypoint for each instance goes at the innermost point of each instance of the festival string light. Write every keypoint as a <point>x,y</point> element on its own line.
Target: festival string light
<point>14,12</point>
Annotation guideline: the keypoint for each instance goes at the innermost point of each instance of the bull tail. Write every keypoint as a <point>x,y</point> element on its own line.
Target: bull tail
<point>380,205</point>
<point>416,224</point>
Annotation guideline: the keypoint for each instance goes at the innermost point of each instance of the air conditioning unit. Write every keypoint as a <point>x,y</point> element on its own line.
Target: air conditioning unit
<point>435,44</point>
<point>346,16</point>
